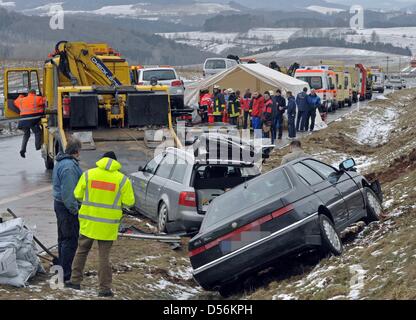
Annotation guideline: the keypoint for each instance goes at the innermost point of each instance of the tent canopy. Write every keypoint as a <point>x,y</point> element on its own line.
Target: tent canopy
<point>257,77</point>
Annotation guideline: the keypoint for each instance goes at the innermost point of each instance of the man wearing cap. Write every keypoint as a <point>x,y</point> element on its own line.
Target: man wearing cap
<point>219,104</point>
<point>103,192</point>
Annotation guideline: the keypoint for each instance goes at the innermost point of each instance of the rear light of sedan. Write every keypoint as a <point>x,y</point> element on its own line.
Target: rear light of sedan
<point>187,199</point>
<point>177,83</point>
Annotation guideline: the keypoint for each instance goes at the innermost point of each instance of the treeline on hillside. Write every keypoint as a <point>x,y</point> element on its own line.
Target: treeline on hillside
<point>340,43</point>
<point>20,40</point>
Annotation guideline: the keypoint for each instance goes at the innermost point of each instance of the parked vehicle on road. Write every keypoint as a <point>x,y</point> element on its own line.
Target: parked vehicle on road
<point>301,205</point>
<point>166,76</point>
<point>323,81</point>
<point>176,188</point>
<point>213,66</point>
<point>378,78</point>
<point>394,82</point>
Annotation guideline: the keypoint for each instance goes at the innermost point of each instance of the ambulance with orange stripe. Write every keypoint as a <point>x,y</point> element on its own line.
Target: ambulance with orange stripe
<point>322,79</point>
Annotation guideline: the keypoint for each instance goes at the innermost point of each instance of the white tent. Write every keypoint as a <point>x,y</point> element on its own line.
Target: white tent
<point>256,76</point>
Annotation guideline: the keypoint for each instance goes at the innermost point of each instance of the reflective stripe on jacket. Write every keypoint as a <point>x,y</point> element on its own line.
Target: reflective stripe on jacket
<point>103,192</point>
<point>219,104</point>
<point>30,105</point>
<point>233,107</point>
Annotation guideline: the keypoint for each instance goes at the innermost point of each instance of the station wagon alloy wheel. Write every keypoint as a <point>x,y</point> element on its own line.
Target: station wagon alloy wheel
<point>331,241</point>
<point>374,208</point>
<point>332,235</point>
<point>163,218</point>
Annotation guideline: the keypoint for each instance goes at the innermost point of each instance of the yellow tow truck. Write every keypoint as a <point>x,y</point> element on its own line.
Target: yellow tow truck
<point>89,94</point>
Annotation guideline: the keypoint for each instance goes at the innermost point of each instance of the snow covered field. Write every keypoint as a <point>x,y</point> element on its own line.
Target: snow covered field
<point>313,55</point>
<point>261,38</point>
<point>143,10</point>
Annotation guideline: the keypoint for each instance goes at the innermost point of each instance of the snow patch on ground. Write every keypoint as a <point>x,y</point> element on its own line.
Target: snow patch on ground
<point>376,129</point>
<point>324,10</point>
<point>284,296</point>
<point>357,283</point>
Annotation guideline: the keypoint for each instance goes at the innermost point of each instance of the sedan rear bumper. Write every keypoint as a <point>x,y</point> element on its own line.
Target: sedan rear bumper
<point>258,254</point>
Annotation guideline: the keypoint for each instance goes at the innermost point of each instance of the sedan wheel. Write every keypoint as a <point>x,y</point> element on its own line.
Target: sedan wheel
<point>331,241</point>
<point>374,207</point>
<point>162,218</point>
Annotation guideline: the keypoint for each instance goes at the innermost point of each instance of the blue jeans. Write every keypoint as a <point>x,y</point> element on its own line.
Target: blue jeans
<point>291,126</point>
<point>277,128</point>
<point>68,232</point>
<point>257,126</point>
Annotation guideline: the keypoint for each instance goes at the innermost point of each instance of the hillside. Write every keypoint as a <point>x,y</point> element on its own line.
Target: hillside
<point>20,40</point>
<point>265,39</point>
<point>378,262</point>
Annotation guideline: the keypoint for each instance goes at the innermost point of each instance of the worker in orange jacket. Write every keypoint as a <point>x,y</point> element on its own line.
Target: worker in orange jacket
<point>31,106</point>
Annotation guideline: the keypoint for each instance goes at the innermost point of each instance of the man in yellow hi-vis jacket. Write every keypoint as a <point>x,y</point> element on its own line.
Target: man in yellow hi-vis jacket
<point>103,191</point>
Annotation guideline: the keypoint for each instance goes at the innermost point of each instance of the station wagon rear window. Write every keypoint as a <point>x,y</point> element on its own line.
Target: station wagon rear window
<point>255,192</point>
<point>161,75</point>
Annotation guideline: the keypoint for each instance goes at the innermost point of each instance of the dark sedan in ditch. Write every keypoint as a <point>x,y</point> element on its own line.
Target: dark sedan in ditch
<point>302,205</point>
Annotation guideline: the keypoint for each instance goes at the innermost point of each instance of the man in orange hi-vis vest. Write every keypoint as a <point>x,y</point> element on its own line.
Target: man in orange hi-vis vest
<point>30,106</point>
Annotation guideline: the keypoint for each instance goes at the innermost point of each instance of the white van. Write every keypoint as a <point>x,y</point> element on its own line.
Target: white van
<point>216,65</point>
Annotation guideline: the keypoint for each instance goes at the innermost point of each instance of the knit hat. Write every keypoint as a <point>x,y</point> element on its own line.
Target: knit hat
<point>110,155</point>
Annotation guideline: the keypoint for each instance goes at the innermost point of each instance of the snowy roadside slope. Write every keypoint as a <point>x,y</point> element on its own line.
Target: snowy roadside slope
<point>378,262</point>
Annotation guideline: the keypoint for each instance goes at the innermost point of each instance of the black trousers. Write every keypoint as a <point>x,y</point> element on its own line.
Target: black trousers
<point>30,125</point>
<point>233,121</point>
<point>246,114</point>
<point>301,120</point>
<point>68,233</point>
<point>310,124</point>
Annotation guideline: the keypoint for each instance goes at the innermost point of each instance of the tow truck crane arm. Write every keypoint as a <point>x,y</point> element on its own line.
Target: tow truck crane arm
<point>80,64</point>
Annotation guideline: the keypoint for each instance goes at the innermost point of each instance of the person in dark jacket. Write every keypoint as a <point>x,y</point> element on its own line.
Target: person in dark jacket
<point>219,104</point>
<point>313,103</point>
<point>233,107</point>
<point>302,103</point>
<point>291,115</point>
<point>280,103</point>
<point>65,176</point>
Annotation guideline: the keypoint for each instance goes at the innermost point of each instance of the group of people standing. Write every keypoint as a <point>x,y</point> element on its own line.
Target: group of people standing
<point>263,113</point>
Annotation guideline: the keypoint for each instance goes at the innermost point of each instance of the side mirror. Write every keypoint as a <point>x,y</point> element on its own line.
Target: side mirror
<point>347,165</point>
<point>141,168</point>
<point>340,87</point>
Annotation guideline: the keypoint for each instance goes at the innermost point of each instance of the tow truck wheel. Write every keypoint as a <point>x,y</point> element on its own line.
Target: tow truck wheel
<point>374,207</point>
<point>162,219</point>
<point>331,240</point>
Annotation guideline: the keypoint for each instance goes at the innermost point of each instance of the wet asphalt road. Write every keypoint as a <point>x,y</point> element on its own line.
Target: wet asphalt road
<point>25,186</point>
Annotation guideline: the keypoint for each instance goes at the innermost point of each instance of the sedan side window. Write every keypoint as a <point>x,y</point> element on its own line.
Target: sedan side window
<point>307,174</point>
<point>322,168</point>
<point>152,165</point>
<point>166,166</point>
<point>179,171</point>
